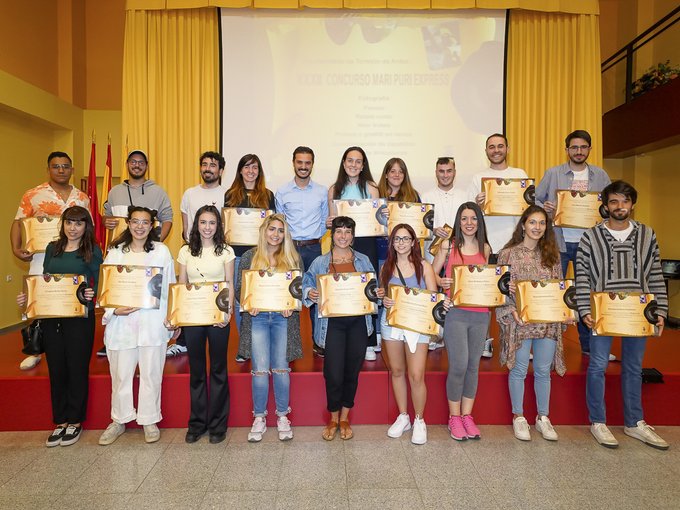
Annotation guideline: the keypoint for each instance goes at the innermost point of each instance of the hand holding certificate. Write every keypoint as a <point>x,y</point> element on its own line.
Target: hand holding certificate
<point>242,225</point>
<point>419,216</point>
<point>347,294</point>
<point>507,197</point>
<point>130,286</point>
<point>55,295</point>
<point>546,300</point>
<point>368,215</point>
<point>38,232</point>
<point>623,313</point>
<point>198,304</point>
<point>483,286</point>
<point>270,291</point>
<point>577,209</point>
<point>437,241</point>
<point>419,310</point>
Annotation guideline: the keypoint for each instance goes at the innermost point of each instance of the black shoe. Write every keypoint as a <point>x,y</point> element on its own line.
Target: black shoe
<point>217,437</point>
<point>240,359</point>
<point>102,352</point>
<point>56,437</point>
<point>319,351</point>
<point>192,437</point>
<point>72,435</point>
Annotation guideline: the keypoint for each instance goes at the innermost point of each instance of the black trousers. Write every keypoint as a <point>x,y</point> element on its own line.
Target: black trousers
<point>209,406</point>
<point>68,349</point>
<point>346,341</point>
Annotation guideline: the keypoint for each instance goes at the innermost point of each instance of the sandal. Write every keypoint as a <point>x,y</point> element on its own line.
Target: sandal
<point>330,430</point>
<point>345,431</point>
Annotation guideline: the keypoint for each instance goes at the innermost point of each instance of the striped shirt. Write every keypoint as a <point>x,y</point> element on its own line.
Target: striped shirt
<point>604,264</point>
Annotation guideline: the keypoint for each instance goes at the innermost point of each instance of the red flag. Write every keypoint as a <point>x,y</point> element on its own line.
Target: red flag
<point>94,202</point>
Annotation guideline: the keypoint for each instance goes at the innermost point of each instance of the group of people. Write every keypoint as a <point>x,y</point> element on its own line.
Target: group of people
<point>618,254</point>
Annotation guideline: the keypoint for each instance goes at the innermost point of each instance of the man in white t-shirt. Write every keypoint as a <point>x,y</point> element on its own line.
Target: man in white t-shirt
<point>499,229</point>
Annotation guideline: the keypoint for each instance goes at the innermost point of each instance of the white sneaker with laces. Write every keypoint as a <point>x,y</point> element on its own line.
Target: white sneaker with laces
<point>520,427</point>
<point>259,427</point>
<point>400,425</point>
<point>175,350</point>
<point>112,432</point>
<point>419,434</point>
<point>488,348</point>
<point>434,345</point>
<point>603,435</point>
<point>284,428</point>
<point>151,433</point>
<point>370,354</point>
<point>646,434</point>
<point>30,362</point>
<point>545,428</point>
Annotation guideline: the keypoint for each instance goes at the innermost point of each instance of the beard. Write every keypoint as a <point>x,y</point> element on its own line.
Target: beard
<point>210,178</point>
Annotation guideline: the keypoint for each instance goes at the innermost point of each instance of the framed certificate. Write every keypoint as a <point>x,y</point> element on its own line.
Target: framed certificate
<point>623,313</point>
<point>38,232</point>
<point>54,295</point>
<point>577,209</point>
<point>198,304</point>
<point>419,216</point>
<point>437,241</point>
<point>120,228</point>
<point>242,225</point>
<point>347,294</point>
<point>368,215</point>
<point>130,286</point>
<point>419,310</point>
<point>271,291</point>
<point>481,285</point>
<point>507,197</point>
<point>546,300</point>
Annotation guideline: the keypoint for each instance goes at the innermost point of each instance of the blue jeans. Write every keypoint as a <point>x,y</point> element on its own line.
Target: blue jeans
<point>583,330</point>
<point>544,352</point>
<point>632,352</point>
<point>308,253</point>
<point>268,355</point>
<point>237,314</point>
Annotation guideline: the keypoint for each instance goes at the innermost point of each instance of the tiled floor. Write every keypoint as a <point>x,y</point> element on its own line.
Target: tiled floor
<point>370,471</point>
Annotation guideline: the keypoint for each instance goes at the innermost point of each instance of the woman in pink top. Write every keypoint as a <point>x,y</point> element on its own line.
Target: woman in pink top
<point>465,328</point>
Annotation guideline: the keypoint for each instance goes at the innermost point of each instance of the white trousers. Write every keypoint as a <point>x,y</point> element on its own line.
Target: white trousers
<point>123,364</point>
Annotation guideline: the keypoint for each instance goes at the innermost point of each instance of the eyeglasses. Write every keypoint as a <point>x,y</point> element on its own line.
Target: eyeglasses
<point>405,239</point>
<point>142,223</point>
<point>65,166</point>
<point>575,148</point>
<point>137,162</point>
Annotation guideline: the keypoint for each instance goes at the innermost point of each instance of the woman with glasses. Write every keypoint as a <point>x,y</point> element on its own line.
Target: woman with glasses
<point>406,349</point>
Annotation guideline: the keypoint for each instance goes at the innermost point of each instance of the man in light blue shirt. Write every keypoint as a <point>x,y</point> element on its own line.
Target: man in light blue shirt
<point>305,205</point>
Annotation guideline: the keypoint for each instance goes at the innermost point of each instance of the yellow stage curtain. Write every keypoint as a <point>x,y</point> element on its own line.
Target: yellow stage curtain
<point>553,87</point>
<point>171,94</point>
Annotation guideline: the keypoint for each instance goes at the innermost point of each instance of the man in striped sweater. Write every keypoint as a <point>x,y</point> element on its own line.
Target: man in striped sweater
<point>617,255</point>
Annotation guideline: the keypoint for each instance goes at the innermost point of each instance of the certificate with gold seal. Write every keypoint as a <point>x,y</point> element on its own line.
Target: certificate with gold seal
<point>39,231</point>
<point>419,310</point>
<point>545,300</point>
<point>54,295</point>
<point>577,209</point>
<point>347,294</point>
<point>480,285</point>
<point>271,291</point>
<point>130,286</point>
<point>437,241</point>
<point>242,224</point>
<point>368,215</point>
<point>198,304</point>
<point>419,216</point>
<point>623,313</point>
<point>507,197</point>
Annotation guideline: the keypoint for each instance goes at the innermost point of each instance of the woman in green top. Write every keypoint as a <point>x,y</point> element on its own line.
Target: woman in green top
<point>68,341</point>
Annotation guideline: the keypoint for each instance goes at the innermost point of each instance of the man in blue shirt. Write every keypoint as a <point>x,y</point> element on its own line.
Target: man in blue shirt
<point>305,205</point>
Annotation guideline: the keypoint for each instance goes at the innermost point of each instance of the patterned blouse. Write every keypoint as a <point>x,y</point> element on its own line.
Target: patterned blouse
<point>525,264</point>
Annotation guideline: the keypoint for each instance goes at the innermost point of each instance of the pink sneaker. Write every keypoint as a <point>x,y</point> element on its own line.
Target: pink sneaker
<point>457,429</point>
<point>470,428</point>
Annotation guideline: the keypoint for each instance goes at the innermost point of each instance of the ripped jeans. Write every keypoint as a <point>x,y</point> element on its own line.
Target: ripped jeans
<point>270,339</point>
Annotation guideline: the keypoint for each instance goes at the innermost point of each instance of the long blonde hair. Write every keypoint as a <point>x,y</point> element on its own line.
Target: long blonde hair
<point>286,256</point>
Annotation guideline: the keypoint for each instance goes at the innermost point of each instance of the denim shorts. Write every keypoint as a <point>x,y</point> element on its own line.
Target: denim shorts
<point>393,333</point>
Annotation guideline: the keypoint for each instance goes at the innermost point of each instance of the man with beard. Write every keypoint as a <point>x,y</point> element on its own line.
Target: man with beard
<point>576,174</point>
<point>619,255</point>
<point>305,205</point>
<point>209,192</point>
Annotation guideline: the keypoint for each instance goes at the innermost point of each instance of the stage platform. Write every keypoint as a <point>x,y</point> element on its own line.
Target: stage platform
<point>25,400</point>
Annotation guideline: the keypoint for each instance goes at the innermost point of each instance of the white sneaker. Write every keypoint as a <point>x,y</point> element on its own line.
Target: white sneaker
<point>29,362</point>
<point>259,427</point>
<point>612,358</point>
<point>284,428</point>
<point>378,347</point>
<point>521,428</point>
<point>646,434</point>
<point>400,425</point>
<point>546,429</point>
<point>151,433</point>
<point>603,435</point>
<point>370,354</point>
<point>112,432</point>
<point>434,345</point>
<point>419,434</point>
<point>488,348</point>
<point>175,350</point>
